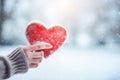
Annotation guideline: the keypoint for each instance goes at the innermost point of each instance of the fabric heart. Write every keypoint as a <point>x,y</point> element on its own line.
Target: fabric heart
<point>55,35</point>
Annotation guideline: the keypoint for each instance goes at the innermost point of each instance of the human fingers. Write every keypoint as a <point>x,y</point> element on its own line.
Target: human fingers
<point>36,60</point>
<point>39,46</point>
<point>38,54</point>
<point>33,65</point>
<point>35,57</point>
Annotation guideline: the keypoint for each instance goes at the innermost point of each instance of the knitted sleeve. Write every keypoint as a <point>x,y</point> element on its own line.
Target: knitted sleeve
<point>14,63</point>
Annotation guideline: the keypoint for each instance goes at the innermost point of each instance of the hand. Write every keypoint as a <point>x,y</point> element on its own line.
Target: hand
<point>34,58</point>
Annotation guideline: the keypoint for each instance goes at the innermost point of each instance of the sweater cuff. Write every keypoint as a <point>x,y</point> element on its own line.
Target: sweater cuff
<point>17,62</point>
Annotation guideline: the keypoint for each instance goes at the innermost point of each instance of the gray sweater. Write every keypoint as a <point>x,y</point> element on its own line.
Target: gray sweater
<point>14,63</point>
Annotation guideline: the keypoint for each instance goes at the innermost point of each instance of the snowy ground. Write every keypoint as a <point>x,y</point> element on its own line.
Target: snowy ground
<point>71,63</point>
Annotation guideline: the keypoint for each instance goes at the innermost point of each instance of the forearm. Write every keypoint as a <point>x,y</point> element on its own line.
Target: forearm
<point>2,68</point>
<point>14,63</point>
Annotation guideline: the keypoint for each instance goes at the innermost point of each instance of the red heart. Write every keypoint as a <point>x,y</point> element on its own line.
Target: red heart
<point>55,35</point>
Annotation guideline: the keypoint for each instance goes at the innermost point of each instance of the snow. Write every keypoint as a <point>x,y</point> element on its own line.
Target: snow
<point>73,63</point>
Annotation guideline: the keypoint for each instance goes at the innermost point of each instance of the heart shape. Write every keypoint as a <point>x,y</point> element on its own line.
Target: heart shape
<point>55,35</point>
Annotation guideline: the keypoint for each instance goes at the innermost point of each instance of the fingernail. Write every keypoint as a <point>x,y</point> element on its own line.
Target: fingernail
<point>48,45</point>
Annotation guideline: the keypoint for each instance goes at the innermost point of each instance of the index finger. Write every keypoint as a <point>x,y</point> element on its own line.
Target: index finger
<point>39,46</point>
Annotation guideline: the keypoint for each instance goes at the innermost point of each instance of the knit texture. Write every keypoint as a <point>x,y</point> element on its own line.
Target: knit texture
<point>15,63</point>
<point>2,68</point>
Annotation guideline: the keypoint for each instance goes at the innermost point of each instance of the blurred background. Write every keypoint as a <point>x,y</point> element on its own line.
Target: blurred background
<point>91,51</point>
